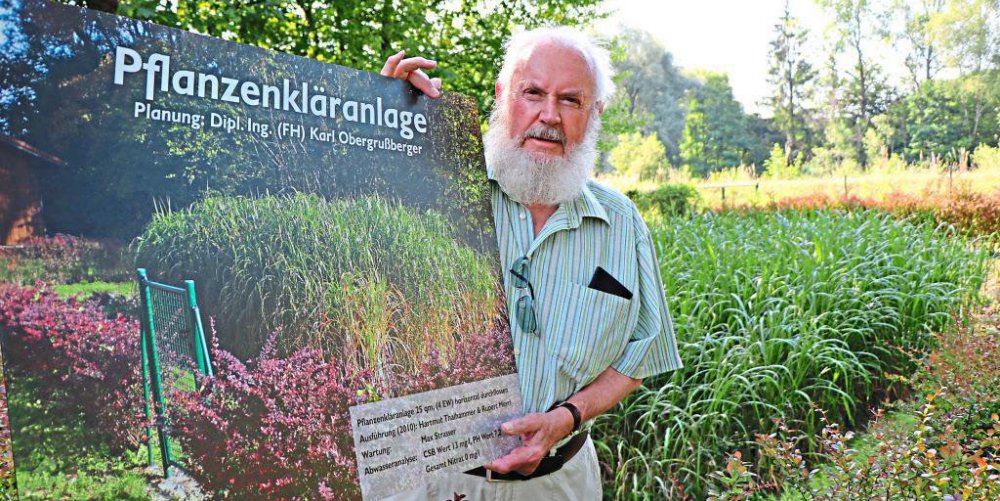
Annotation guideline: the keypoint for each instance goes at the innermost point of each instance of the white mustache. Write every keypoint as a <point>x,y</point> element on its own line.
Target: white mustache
<point>539,131</point>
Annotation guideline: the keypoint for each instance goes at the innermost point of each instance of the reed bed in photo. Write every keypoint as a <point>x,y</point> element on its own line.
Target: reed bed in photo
<point>368,281</point>
<point>779,315</point>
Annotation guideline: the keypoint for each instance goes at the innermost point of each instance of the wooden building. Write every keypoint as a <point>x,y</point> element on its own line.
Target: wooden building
<point>20,194</point>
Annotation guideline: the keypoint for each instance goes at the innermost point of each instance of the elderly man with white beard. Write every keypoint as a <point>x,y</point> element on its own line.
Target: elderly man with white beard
<point>588,315</point>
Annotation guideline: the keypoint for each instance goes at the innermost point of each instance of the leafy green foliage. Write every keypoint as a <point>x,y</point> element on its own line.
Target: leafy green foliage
<point>923,60</point>
<point>465,36</point>
<point>775,314</point>
<point>652,89</point>
<point>63,258</point>
<point>360,278</point>
<point>939,117</point>
<point>864,92</point>
<point>716,133</point>
<point>75,396</point>
<point>639,156</point>
<point>987,157</point>
<point>666,200</point>
<point>943,444</point>
<point>791,75</point>
<point>968,33</point>
<point>778,166</point>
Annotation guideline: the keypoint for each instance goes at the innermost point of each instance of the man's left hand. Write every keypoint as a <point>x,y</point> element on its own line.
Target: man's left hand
<point>539,433</point>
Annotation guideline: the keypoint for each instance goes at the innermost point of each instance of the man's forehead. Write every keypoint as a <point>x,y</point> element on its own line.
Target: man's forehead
<point>550,64</point>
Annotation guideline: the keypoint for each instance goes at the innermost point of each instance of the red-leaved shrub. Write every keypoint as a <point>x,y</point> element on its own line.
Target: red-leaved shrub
<point>273,428</point>
<point>971,213</point>
<point>477,356</point>
<point>278,428</point>
<point>76,356</point>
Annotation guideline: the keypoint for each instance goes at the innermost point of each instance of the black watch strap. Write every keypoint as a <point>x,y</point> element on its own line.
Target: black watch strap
<point>577,417</point>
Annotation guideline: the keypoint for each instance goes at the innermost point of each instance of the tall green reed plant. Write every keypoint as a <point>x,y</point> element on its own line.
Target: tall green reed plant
<point>373,282</point>
<point>777,315</point>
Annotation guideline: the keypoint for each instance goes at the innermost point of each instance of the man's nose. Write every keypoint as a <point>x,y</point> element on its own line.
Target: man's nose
<point>550,112</point>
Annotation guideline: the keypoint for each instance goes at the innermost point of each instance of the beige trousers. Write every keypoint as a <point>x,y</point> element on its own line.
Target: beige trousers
<point>579,479</point>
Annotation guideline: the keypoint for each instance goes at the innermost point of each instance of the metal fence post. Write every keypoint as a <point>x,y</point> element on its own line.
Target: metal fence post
<point>199,344</point>
<point>154,359</point>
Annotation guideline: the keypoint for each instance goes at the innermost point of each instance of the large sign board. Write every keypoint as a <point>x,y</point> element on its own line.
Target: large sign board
<point>335,222</point>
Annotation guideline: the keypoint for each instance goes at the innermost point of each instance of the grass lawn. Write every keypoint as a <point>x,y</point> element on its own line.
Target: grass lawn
<point>83,290</point>
<point>62,461</point>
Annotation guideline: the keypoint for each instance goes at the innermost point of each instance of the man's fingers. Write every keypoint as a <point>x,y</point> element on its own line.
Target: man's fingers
<point>392,63</point>
<point>522,459</point>
<point>410,64</point>
<point>521,426</point>
<point>425,84</point>
<point>411,69</point>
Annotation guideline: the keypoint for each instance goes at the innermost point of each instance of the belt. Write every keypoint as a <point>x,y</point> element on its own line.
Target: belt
<point>549,464</point>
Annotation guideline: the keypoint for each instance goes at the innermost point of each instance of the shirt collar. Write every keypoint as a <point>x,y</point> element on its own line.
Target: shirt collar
<point>586,205</point>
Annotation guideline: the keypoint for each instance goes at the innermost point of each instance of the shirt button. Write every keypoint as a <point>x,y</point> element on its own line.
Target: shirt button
<point>517,352</point>
<point>522,216</point>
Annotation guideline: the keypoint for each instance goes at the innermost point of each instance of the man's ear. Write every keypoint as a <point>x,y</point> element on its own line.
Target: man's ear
<point>497,90</point>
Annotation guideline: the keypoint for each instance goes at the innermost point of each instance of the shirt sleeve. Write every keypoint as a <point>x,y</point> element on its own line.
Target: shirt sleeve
<point>652,347</point>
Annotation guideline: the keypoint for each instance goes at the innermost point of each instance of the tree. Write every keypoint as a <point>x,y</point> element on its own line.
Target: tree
<point>654,89</point>
<point>857,23</point>
<point>621,115</point>
<point>467,36</point>
<point>923,58</point>
<point>761,136</point>
<point>617,121</point>
<point>637,155</point>
<point>791,75</point>
<point>838,152</point>
<point>716,133</point>
<point>969,33</point>
<point>940,117</point>
<point>777,165</point>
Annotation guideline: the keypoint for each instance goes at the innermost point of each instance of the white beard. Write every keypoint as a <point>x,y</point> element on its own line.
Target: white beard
<point>539,179</point>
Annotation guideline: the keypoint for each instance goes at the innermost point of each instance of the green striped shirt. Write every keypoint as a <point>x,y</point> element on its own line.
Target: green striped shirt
<point>582,331</point>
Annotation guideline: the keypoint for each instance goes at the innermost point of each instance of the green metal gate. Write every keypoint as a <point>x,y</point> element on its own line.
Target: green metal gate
<point>174,353</point>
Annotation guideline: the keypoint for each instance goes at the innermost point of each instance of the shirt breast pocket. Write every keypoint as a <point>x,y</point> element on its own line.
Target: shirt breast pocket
<point>585,330</point>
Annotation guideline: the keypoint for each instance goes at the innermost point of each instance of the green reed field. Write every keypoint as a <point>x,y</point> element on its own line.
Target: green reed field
<point>778,315</point>
<point>366,278</point>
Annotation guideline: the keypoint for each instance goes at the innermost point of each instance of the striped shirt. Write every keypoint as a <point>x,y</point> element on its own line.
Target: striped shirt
<point>581,331</point>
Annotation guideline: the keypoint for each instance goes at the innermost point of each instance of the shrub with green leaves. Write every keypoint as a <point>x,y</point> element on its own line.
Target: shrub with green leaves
<point>776,315</point>
<point>365,279</point>
<point>667,199</point>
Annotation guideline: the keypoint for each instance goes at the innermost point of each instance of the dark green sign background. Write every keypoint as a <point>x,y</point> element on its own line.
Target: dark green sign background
<point>154,138</point>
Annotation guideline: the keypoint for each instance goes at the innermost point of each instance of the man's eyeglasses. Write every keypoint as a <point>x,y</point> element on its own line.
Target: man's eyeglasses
<point>524,309</point>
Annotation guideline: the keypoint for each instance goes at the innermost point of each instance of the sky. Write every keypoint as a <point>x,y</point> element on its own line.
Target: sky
<point>731,36</point>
